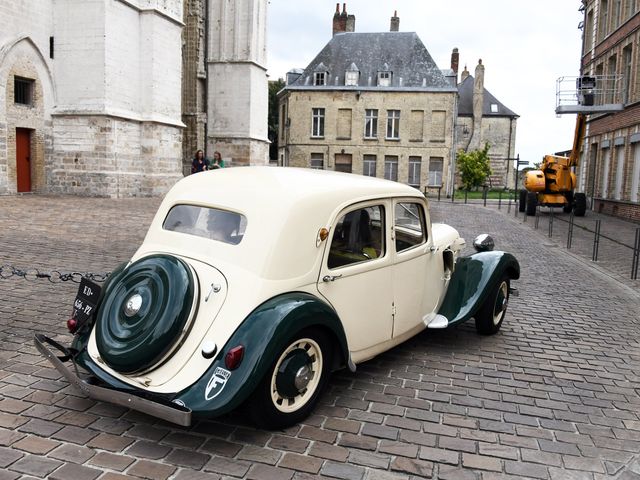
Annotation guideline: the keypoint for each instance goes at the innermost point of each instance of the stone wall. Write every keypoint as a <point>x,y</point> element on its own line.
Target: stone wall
<point>100,156</point>
<point>426,129</point>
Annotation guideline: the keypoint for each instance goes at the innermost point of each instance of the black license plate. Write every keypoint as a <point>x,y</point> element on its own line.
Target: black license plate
<point>84,305</point>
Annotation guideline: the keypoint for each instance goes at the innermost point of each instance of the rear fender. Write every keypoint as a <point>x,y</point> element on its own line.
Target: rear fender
<point>263,334</point>
<point>473,280</point>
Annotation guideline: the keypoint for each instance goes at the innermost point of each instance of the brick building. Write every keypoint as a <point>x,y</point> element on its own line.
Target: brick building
<point>370,103</point>
<point>93,97</point>
<point>609,172</point>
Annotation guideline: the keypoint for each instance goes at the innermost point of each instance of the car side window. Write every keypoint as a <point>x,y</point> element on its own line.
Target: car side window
<point>358,237</point>
<point>409,225</point>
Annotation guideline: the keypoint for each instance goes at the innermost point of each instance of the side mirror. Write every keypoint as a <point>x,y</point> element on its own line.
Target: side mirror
<point>483,243</point>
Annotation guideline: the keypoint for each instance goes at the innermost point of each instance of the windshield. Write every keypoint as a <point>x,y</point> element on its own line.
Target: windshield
<point>221,225</point>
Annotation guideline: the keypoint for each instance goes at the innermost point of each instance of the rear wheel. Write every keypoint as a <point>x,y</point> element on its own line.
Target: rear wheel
<point>522,200</point>
<point>580,205</point>
<point>532,203</point>
<point>290,389</point>
<point>490,315</point>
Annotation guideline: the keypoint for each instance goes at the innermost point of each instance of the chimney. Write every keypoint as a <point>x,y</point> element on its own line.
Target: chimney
<point>455,59</point>
<point>351,23</point>
<point>340,19</point>
<point>478,105</point>
<point>395,22</point>
<point>464,74</point>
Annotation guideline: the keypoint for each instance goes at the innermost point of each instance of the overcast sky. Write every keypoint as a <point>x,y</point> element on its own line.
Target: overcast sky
<point>525,47</point>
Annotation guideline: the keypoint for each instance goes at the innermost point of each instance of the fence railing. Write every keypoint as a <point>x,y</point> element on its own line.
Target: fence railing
<point>590,232</point>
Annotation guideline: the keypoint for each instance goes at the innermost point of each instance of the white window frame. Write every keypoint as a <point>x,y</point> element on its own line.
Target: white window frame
<point>435,176</point>
<point>313,161</point>
<point>617,194</point>
<point>393,125</point>
<point>635,182</point>
<point>371,123</point>
<point>391,167</point>
<point>317,122</point>
<point>367,161</point>
<point>606,153</point>
<point>415,167</point>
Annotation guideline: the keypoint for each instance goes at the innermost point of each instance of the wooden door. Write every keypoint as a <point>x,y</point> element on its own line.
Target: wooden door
<point>343,162</point>
<point>23,159</point>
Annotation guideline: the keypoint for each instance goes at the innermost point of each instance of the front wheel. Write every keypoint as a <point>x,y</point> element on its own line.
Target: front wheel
<point>290,389</point>
<point>522,200</point>
<point>490,315</point>
<point>532,203</point>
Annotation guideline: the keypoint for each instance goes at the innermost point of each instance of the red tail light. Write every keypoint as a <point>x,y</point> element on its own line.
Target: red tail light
<point>233,358</point>
<point>72,325</point>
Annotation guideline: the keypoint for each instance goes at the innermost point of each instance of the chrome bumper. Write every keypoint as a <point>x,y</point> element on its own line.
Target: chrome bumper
<point>172,413</point>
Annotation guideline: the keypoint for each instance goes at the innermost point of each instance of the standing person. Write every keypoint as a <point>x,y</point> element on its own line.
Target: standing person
<point>217,161</point>
<point>199,163</point>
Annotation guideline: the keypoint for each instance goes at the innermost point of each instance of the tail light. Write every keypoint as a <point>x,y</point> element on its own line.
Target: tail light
<point>233,358</point>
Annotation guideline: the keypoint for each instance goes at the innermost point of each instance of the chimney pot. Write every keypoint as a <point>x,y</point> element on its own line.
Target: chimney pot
<point>340,20</point>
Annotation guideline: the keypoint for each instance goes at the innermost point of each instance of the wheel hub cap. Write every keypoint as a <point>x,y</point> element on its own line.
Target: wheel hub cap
<point>303,377</point>
<point>133,305</point>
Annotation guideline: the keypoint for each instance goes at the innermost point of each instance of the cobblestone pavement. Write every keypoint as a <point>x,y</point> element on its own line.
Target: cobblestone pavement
<point>554,395</point>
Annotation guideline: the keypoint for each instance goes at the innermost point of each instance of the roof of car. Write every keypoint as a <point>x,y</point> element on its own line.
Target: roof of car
<point>260,187</point>
<point>284,208</point>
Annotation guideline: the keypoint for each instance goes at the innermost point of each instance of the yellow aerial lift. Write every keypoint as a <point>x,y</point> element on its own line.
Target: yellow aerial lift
<point>554,184</point>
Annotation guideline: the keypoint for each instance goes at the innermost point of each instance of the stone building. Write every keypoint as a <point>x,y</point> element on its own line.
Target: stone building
<point>482,118</point>
<point>93,100</point>
<point>371,103</point>
<point>609,171</point>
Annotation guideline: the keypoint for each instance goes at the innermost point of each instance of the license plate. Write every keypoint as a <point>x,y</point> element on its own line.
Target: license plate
<point>86,301</point>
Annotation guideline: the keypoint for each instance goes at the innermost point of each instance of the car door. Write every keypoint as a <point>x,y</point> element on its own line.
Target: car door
<point>355,277</point>
<point>418,274</point>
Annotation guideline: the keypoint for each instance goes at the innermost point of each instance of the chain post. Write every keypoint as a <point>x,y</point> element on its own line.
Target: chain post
<point>570,230</point>
<point>596,242</point>
<point>551,222</point>
<point>636,256</point>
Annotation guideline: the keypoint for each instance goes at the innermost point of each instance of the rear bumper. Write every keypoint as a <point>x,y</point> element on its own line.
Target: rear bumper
<point>168,411</point>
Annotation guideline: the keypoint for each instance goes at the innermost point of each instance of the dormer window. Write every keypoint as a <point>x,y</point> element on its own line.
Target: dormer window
<point>384,76</point>
<point>320,75</point>
<point>352,75</point>
<point>494,108</point>
<point>320,78</point>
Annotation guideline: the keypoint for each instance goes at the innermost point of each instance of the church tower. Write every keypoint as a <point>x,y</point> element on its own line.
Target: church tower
<point>237,89</point>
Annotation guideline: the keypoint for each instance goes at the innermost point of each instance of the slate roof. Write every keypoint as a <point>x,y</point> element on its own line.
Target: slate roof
<point>404,53</point>
<point>465,102</point>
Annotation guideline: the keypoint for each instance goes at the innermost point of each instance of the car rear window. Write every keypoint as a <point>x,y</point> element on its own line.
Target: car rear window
<point>215,224</point>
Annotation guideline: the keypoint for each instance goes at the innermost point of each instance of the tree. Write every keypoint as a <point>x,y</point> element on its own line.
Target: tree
<point>272,130</point>
<point>473,167</point>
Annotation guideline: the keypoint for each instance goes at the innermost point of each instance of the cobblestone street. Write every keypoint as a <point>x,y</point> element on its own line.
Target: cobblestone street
<point>554,395</point>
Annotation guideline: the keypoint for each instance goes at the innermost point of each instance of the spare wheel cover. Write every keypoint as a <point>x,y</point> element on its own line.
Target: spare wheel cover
<point>146,313</point>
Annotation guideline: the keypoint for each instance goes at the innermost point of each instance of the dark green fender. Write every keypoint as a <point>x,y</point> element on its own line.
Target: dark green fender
<point>264,334</point>
<point>473,280</point>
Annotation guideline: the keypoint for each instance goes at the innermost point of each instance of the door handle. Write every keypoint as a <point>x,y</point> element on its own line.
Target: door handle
<point>330,278</point>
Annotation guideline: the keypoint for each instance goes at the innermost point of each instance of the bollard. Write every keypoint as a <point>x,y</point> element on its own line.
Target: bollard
<point>465,196</point>
<point>453,194</point>
<point>551,223</point>
<point>636,256</point>
<point>537,217</point>
<point>596,242</point>
<point>499,199</point>
<point>439,189</point>
<point>570,231</point>
<point>484,195</point>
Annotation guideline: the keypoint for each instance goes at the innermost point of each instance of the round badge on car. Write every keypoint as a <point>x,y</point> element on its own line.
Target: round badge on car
<point>133,305</point>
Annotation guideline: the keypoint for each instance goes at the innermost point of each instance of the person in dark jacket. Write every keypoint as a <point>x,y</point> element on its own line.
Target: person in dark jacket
<point>199,162</point>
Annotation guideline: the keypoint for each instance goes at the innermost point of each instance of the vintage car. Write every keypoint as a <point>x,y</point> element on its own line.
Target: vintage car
<point>253,284</point>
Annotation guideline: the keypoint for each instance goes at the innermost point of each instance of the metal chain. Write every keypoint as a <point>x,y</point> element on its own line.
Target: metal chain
<point>31,274</point>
